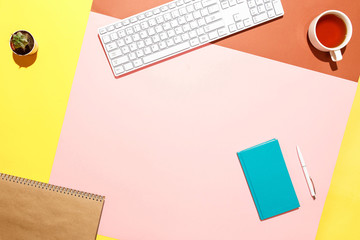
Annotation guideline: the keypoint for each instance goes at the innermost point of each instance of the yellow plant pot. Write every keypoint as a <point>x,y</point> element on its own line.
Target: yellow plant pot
<point>33,50</point>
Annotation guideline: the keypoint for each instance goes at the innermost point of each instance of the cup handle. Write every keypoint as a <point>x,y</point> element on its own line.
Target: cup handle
<point>336,55</point>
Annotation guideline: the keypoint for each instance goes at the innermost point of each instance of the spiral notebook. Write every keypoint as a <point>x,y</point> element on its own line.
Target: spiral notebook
<point>32,210</point>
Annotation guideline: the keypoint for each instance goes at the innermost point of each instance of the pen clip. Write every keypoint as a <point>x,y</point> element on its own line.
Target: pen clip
<point>312,182</point>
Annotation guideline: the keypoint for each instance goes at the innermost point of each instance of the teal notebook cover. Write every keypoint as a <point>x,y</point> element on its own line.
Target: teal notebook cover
<point>268,179</point>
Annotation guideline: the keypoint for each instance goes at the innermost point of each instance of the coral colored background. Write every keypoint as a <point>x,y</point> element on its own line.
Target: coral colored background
<point>283,39</point>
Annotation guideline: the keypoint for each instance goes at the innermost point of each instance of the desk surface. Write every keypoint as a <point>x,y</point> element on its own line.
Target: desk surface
<point>284,39</point>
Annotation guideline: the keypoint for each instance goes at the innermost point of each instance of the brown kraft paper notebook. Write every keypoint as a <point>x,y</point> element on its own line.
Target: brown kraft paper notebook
<point>31,210</point>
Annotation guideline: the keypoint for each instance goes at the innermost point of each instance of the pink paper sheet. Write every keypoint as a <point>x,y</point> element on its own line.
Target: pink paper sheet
<point>161,143</point>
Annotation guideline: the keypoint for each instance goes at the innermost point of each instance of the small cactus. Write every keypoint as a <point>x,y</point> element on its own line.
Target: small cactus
<point>19,40</point>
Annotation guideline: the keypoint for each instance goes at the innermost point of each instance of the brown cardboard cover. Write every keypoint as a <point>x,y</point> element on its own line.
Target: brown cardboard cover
<point>32,210</point>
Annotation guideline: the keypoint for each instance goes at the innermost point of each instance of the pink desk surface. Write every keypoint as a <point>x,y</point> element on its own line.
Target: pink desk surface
<point>161,143</point>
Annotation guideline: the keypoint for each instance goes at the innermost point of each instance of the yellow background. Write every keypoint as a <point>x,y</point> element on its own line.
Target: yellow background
<point>341,215</point>
<point>33,100</point>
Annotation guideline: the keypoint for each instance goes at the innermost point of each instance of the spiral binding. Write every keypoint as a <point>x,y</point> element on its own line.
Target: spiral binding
<point>51,187</point>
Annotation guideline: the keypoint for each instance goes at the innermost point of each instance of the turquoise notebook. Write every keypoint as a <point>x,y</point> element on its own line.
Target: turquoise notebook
<point>268,179</point>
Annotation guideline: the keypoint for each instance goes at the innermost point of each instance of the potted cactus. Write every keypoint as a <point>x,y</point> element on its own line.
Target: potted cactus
<point>23,43</point>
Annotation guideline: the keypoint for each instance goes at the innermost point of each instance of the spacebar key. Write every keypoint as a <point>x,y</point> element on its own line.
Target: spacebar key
<point>167,52</point>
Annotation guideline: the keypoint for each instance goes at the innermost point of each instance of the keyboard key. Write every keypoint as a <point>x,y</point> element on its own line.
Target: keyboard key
<point>163,36</point>
<point>197,14</point>
<point>114,36</point>
<point>120,42</point>
<point>178,30</point>
<point>261,8</point>
<point>186,27</point>
<point>261,17</point>
<point>171,33</point>
<point>148,14</point>
<point>121,33</point>
<point>172,5</point>
<point>232,28</point>
<point>151,31</point>
<point>177,39</point>
<point>271,13</point>
<point>162,45</point>
<point>119,60</point>
<point>102,30</point>
<point>259,2</point>
<point>204,38</point>
<point>189,17</point>
<point>110,28</point>
<point>224,4</point>
<point>194,25</point>
<point>132,56</point>
<point>143,34</point>
<point>137,28</point>
<point>197,5</point>
<point>118,25</point>
<point>194,42</point>
<point>213,26</point>
<point>268,6</point>
<point>180,2</point>
<point>119,70</point>
<point>212,18</point>
<point>144,25</point>
<point>152,22</point>
<point>125,49</point>
<point>147,50</point>
<point>240,25</point>
<point>204,12</point>
<point>129,31</point>
<point>156,11</point>
<point>156,38</point>
<point>185,36</point>
<point>181,20</point>
<point>140,44</point>
<point>175,13</point>
<point>190,8</point>
<point>166,26</point>
<point>159,29</point>
<point>200,31</point>
<point>206,3</point>
<point>237,17</point>
<point>136,37</point>
<point>232,3</point>
<point>160,19</point>
<point>251,3</point>
<point>148,41</point>
<point>213,8</point>
<point>115,53</point>
<point>182,11</point>
<point>141,16</point>
<point>192,34</point>
<point>213,34</point>
<point>125,22</point>
<point>133,46</point>
<point>128,66</point>
<point>128,40</point>
<point>167,52</point>
<point>201,22</point>
<point>253,11</point>
<point>247,22</point>
<point>133,19</point>
<point>164,8</point>
<point>154,48</point>
<point>138,62</point>
<point>278,8</point>
<point>170,42</point>
<point>139,53</point>
<point>111,46</point>
<point>167,17</point>
<point>106,39</point>
<point>222,31</point>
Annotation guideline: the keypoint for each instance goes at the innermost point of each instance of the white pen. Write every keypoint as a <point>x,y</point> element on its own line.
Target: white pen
<point>306,173</point>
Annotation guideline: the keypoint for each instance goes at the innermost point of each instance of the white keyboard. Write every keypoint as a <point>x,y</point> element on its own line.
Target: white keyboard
<point>179,26</point>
